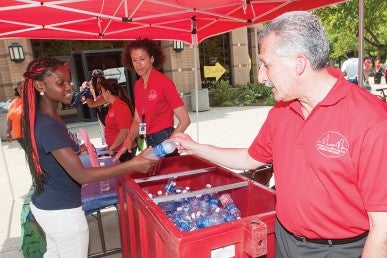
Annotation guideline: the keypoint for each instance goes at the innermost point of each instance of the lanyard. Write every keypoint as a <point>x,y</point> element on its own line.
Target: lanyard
<point>144,104</point>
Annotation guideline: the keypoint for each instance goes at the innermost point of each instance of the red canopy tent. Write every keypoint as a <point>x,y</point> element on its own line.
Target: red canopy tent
<point>129,19</point>
<point>185,20</point>
<point>190,21</point>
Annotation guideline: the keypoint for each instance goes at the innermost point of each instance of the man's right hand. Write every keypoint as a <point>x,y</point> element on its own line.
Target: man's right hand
<point>126,146</point>
<point>185,143</point>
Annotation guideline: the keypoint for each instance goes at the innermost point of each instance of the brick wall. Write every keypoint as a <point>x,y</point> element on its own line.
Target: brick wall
<point>239,56</point>
<point>10,72</point>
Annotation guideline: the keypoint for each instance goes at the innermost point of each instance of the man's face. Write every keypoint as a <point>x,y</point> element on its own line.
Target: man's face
<point>276,71</point>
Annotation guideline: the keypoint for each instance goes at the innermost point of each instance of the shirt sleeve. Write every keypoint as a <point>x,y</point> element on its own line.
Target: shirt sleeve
<point>54,137</point>
<point>261,148</point>
<point>372,168</point>
<point>344,67</point>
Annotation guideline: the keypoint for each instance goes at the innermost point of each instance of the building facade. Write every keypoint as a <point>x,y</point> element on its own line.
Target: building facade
<point>180,66</point>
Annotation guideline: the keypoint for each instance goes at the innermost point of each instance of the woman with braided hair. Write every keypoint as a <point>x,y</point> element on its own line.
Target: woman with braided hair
<point>55,167</point>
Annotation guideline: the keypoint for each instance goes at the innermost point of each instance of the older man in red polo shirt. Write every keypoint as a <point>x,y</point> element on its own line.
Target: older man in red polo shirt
<point>327,142</point>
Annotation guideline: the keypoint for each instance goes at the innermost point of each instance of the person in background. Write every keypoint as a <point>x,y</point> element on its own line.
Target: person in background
<point>350,67</point>
<point>367,67</point>
<point>385,72</point>
<point>378,71</point>
<point>378,64</point>
<point>118,119</point>
<point>52,155</point>
<point>325,138</point>
<point>97,101</point>
<point>156,97</point>
<point>13,131</point>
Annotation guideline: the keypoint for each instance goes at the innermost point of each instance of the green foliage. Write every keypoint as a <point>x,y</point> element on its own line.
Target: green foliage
<point>221,94</point>
<point>341,23</point>
<point>251,94</point>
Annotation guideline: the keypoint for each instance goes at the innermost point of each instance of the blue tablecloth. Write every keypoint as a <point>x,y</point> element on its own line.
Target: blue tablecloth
<point>93,199</point>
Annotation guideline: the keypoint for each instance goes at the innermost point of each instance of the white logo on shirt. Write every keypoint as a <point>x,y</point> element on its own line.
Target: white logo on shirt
<point>332,144</point>
<point>152,95</point>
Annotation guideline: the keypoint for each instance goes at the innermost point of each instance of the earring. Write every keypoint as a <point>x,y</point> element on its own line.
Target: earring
<point>41,93</point>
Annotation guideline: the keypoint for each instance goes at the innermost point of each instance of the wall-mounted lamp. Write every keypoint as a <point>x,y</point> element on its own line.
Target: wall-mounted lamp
<point>178,46</point>
<point>16,52</point>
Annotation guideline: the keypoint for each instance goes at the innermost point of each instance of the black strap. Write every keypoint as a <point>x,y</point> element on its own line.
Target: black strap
<point>322,241</point>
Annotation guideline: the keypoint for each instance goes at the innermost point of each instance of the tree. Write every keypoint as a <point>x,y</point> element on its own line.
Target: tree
<point>341,23</point>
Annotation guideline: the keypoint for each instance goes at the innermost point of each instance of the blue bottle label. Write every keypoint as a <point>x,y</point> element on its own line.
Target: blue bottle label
<point>159,151</point>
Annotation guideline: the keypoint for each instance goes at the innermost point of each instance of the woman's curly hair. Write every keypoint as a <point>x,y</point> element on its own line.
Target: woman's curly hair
<point>150,46</point>
<point>37,70</point>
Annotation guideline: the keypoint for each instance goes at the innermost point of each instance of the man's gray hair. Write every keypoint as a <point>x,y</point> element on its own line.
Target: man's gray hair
<point>299,32</point>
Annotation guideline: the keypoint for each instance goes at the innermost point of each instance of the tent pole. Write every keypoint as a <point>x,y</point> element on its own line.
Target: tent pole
<point>4,166</point>
<point>361,43</point>
<point>195,46</point>
<point>194,33</point>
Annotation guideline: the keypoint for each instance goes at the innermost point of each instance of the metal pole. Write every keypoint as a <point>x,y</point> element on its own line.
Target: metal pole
<point>3,162</point>
<point>361,42</point>
<point>195,46</point>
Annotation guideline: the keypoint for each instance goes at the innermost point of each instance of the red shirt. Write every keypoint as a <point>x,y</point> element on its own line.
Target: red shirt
<point>329,169</point>
<point>367,64</point>
<point>118,117</point>
<point>14,115</point>
<point>377,65</point>
<point>157,101</point>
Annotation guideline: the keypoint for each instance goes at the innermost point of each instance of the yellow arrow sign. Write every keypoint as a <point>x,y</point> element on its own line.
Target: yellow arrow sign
<point>214,71</point>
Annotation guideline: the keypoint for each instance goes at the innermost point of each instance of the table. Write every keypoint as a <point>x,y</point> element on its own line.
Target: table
<point>93,201</point>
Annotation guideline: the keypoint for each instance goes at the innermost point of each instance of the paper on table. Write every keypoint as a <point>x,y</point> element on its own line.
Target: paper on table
<point>89,147</point>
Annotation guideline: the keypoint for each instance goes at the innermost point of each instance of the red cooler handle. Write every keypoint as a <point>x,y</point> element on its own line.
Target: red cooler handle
<point>255,241</point>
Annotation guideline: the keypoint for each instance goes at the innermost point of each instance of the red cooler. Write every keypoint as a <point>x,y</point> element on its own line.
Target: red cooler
<point>146,231</point>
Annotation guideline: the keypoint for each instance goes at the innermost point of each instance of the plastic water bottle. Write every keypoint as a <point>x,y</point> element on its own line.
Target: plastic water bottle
<point>195,206</point>
<point>229,205</point>
<point>104,184</point>
<point>210,220</point>
<point>161,150</point>
<point>170,186</point>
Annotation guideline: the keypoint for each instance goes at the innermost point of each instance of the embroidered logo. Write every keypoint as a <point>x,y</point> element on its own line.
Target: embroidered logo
<point>332,144</point>
<point>152,95</point>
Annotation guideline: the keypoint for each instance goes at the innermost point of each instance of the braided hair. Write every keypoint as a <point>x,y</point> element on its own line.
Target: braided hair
<point>37,70</point>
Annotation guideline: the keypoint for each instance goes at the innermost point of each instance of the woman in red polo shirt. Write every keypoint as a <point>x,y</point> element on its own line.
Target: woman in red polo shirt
<point>118,119</point>
<point>156,98</point>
